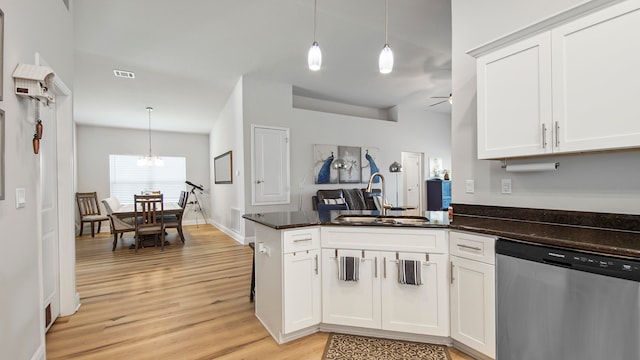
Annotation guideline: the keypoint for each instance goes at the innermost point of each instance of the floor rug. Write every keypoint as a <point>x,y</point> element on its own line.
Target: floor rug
<point>351,347</point>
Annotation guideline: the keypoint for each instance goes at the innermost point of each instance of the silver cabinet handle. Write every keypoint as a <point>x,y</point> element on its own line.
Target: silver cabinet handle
<point>316,264</point>
<point>557,134</point>
<point>298,240</point>
<point>384,267</point>
<point>259,181</point>
<point>544,136</point>
<point>375,267</point>
<point>469,247</point>
<point>451,272</point>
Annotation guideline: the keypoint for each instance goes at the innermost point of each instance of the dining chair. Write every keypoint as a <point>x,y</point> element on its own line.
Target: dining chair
<point>149,212</point>
<point>118,225</point>
<point>175,221</point>
<point>89,211</point>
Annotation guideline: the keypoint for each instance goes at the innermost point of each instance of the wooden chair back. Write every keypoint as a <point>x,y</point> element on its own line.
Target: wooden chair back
<point>176,221</point>
<point>149,212</point>
<point>88,203</point>
<point>89,210</point>
<point>182,201</point>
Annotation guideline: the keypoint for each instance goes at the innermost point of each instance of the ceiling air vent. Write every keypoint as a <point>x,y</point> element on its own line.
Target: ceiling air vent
<point>124,74</point>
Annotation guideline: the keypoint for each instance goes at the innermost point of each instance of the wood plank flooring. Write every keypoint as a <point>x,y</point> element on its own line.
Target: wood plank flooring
<point>189,302</point>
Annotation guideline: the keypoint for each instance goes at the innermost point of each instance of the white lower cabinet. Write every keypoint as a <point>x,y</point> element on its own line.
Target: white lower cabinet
<point>351,303</point>
<point>288,287</point>
<point>377,300</point>
<point>416,309</point>
<point>473,292</point>
<point>301,290</point>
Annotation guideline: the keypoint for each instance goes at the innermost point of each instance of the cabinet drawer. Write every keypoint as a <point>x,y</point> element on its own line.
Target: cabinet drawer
<point>472,246</point>
<point>301,240</point>
<point>384,238</point>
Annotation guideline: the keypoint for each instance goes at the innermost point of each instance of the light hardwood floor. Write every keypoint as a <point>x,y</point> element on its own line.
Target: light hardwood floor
<point>189,302</point>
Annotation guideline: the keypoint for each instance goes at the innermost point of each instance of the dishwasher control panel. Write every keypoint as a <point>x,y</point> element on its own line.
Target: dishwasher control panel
<point>574,259</point>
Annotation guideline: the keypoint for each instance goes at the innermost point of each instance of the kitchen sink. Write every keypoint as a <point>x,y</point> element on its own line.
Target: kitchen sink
<point>381,220</point>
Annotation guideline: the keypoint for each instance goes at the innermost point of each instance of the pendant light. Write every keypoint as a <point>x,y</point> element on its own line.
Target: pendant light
<point>150,160</point>
<point>386,55</point>
<point>315,56</point>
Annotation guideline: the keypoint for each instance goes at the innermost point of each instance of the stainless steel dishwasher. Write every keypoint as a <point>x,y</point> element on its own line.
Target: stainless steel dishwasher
<point>554,303</point>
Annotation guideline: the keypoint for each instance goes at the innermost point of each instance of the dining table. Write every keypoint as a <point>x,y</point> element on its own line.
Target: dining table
<point>127,211</point>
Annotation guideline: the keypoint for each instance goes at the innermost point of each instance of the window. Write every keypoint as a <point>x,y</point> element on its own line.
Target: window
<point>126,178</point>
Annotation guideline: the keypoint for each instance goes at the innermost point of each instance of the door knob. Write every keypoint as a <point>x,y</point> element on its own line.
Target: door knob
<point>259,181</point>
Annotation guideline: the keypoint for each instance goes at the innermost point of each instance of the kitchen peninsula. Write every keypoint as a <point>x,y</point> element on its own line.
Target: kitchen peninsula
<point>298,290</point>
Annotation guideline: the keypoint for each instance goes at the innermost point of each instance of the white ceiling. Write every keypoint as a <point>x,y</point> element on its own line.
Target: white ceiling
<point>188,55</point>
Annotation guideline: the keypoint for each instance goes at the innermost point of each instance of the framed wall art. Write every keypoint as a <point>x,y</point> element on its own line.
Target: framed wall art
<point>223,168</point>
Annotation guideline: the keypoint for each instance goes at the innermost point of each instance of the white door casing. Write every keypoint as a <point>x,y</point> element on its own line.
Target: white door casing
<point>57,257</point>
<point>49,213</point>
<point>270,180</point>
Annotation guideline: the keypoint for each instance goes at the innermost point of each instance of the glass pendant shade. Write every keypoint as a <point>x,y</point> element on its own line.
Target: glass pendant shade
<point>150,161</point>
<point>386,60</point>
<point>315,57</point>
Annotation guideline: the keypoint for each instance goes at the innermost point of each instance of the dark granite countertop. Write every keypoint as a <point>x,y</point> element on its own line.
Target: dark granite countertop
<point>603,241</point>
<point>288,220</point>
<point>611,234</point>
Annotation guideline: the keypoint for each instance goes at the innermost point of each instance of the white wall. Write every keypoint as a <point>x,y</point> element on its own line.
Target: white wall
<point>226,134</point>
<point>603,182</point>
<point>94,145</point>
<point>49,32</point>
<point>267,103</point>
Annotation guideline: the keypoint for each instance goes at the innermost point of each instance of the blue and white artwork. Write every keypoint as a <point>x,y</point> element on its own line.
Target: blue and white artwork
<point>369,166</point>
<point>323,157</point>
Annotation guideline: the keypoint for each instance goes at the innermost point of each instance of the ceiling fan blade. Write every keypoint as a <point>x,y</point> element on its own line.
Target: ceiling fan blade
<point>438,103</point>
<point>439,97</point>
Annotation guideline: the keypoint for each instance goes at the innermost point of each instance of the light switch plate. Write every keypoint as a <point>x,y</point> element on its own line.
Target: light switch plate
<point>20,198</point>
<point>470,186</point>
<point>505,186</point>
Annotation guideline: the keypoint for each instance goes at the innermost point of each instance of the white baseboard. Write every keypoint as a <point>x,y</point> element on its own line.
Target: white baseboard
<point>232,234</point>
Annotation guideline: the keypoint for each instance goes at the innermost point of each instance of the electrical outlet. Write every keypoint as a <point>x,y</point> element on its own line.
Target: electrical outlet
<point>505,186</point>
<point>470,186</point>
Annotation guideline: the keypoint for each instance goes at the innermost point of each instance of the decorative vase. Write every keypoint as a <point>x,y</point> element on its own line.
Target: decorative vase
<point>36,144</point>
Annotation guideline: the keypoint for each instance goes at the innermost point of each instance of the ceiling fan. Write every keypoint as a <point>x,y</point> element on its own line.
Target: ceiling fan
<point>447,99</point>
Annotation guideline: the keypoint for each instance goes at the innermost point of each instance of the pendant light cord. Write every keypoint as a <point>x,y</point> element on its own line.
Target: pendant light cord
<point>149,109</point>
<point>315,9</point>
<point>386,20</point>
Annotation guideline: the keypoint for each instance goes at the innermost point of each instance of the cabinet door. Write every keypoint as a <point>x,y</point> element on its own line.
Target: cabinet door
<point>301,290</point>
<point>422,309</point>
<point>473,304</point>
<point>353,303</point>
<point>514,99</point>
<point>595,81</point>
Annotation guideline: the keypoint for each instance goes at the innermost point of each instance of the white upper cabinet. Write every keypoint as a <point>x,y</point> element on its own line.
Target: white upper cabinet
<point>567,89</point>
<point>596,74</point>
<point>514,99</point>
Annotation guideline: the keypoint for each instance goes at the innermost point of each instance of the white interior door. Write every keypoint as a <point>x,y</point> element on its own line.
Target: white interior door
<point>412,180</point>
<point>270,159</point>
<point>49,213</point>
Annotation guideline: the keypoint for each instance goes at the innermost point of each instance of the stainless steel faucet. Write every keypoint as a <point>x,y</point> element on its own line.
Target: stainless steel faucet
<point>383,206</point>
